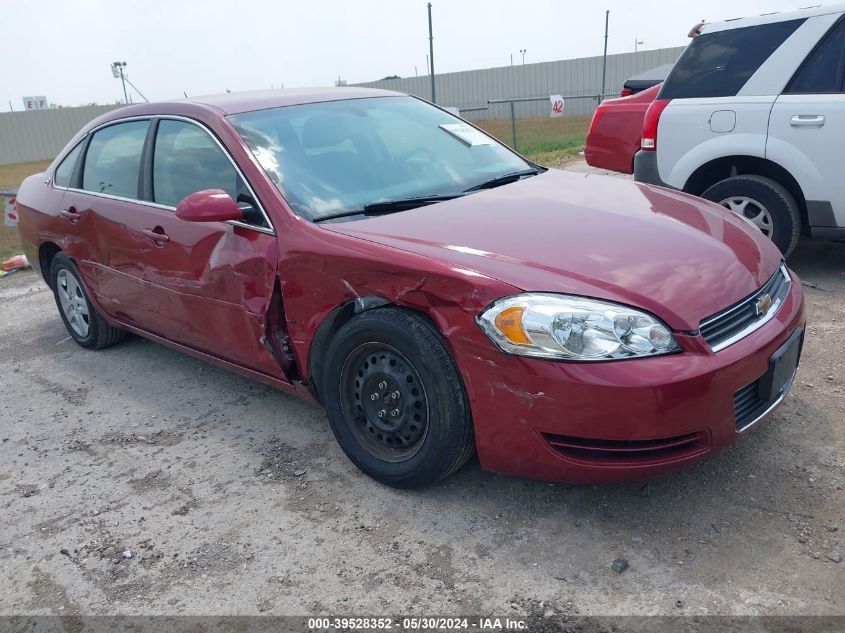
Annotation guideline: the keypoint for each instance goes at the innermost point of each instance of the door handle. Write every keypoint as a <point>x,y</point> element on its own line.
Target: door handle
<point>157,236</point>
<point>70,214</point>
<point>807,120</point>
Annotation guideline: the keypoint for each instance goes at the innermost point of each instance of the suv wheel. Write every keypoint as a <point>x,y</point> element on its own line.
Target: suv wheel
<point>765,203</point>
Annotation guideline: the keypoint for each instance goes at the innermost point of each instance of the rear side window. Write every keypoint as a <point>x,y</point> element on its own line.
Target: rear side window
<point>114,158</point>
<point>187,160</point>
<point>718,64</point>
<point>64,171</point>
<point>822,71</point>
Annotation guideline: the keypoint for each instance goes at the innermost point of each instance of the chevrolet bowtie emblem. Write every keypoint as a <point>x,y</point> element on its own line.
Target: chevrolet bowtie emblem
<point>763,305</point>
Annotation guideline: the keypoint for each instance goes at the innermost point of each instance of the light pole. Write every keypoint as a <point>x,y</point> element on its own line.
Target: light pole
<point>523,51</point>
<point>117,71</point>
<point>431,54</point>
<point>637,43</point>
<point>604,58</point>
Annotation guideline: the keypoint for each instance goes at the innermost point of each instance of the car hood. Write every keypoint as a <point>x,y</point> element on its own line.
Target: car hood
<point>679,257</point>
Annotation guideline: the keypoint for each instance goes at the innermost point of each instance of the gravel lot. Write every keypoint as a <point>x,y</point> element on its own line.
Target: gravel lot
<point>137,480</point>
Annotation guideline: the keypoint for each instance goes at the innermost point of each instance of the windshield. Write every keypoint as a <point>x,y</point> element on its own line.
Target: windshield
<point>338,157</point>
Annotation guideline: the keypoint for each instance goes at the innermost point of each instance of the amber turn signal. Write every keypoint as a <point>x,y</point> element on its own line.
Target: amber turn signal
<point>509,323</point>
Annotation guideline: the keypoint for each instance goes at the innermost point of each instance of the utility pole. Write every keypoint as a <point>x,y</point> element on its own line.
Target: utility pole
<point>117,71</point>
<point>637,42</point>
<point>523,51</point>
<point>431,54</point>
<point>604,59</point>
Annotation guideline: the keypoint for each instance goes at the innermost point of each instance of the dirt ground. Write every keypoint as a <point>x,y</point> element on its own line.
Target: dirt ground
<point>137,480</point>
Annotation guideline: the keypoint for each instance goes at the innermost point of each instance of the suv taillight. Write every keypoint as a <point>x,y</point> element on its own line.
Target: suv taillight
<point>648,142</point>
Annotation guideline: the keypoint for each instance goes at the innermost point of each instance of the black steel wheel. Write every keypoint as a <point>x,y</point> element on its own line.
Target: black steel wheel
<point>382,393</point>
<point>395,399</point>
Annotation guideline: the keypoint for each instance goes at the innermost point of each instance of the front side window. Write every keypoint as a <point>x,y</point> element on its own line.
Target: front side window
<point>113,159</point>
<point>822,71</point>
<point>719,64</point>
<point>341,156</point>
<point>187,160</point>
<point>64,171</point>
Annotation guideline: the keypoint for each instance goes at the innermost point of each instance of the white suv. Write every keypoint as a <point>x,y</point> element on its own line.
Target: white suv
<point>752,116</point>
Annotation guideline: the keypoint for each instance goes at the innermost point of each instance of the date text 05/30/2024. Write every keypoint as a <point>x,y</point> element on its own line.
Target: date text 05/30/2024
<point>417,624</point>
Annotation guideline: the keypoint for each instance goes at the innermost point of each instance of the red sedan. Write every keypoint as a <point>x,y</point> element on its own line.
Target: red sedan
<point>616,131</point>
<point>436,292</point>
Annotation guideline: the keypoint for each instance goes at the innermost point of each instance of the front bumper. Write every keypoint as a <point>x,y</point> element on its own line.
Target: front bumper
<point>622,420</point>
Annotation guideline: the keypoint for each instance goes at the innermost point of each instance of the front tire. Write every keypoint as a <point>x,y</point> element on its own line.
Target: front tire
<point>83,322</point>
<point>763,201</point>
<point>395,399</point>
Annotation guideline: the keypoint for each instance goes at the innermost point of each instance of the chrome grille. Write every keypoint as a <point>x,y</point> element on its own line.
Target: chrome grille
<point>739,320</point>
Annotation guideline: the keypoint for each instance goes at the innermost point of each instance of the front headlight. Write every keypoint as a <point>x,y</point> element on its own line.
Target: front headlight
<point>574,328</point>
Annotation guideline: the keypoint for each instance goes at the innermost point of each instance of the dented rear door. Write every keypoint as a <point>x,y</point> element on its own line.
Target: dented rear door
<point>205,285</point>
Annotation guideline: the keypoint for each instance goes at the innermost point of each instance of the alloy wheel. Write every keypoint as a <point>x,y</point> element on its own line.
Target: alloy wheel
<point>74,304</point>
<point>751,210</point>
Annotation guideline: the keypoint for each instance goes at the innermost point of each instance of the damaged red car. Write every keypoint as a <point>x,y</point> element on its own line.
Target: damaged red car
<point>436,292</point>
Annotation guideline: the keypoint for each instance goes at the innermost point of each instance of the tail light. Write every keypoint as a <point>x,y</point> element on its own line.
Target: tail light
<point>652,118</point>
<point>597,114</point>
<point>626,92</point>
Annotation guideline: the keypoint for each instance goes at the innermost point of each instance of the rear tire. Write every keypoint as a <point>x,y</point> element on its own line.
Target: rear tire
<point>395,399</point>
<point>83,322</point>
<point>765,202</point>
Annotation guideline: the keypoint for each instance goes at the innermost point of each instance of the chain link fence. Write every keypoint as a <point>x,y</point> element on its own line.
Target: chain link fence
<point>525,123</point>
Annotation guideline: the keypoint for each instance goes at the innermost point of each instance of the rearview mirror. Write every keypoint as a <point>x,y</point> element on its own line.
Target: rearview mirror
<point>210,205</point>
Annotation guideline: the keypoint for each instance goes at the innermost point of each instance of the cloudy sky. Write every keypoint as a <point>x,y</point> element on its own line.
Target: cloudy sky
<point>63,48</point>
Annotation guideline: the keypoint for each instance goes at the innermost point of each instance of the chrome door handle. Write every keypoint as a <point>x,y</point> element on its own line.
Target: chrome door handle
<point>70,214</point>
<point>807,120</point>
<point>155,236</point>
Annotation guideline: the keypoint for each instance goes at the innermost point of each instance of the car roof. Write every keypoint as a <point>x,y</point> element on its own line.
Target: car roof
<point>237,102</point>
<point>767,18</point>
<point>655,74</point>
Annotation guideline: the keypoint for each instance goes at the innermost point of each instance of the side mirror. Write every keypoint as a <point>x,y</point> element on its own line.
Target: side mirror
<point>210,205</point>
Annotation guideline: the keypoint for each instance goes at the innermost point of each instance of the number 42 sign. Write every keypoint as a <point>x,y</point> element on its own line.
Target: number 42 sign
<point>557,105</point>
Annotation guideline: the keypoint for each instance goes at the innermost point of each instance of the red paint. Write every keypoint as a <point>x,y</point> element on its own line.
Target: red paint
<point>211,205</point>
<point>231,294</point>
<point>616,131</point>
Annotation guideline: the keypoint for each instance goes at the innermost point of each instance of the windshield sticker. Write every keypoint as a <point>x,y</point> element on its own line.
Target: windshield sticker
<point>467,134</point>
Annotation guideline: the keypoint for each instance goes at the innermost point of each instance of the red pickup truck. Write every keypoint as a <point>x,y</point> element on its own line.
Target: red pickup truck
<point>615,131</point>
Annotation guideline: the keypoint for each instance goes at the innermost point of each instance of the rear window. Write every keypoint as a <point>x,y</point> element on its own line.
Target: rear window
<point>822,71</point>
<point>65,169</point>
<point>718,64</point>
<point>114,158</point>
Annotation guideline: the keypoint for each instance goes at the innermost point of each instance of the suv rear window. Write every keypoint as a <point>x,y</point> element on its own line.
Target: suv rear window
<point>822,71</point>
<point>718,64</point>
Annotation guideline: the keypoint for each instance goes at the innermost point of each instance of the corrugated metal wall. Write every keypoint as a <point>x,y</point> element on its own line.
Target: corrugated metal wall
<point>40,134</point>
<point>570,77</point>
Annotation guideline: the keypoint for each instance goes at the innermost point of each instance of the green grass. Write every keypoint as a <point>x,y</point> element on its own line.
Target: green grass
<point>11,177</point>
<point>547,141</point>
